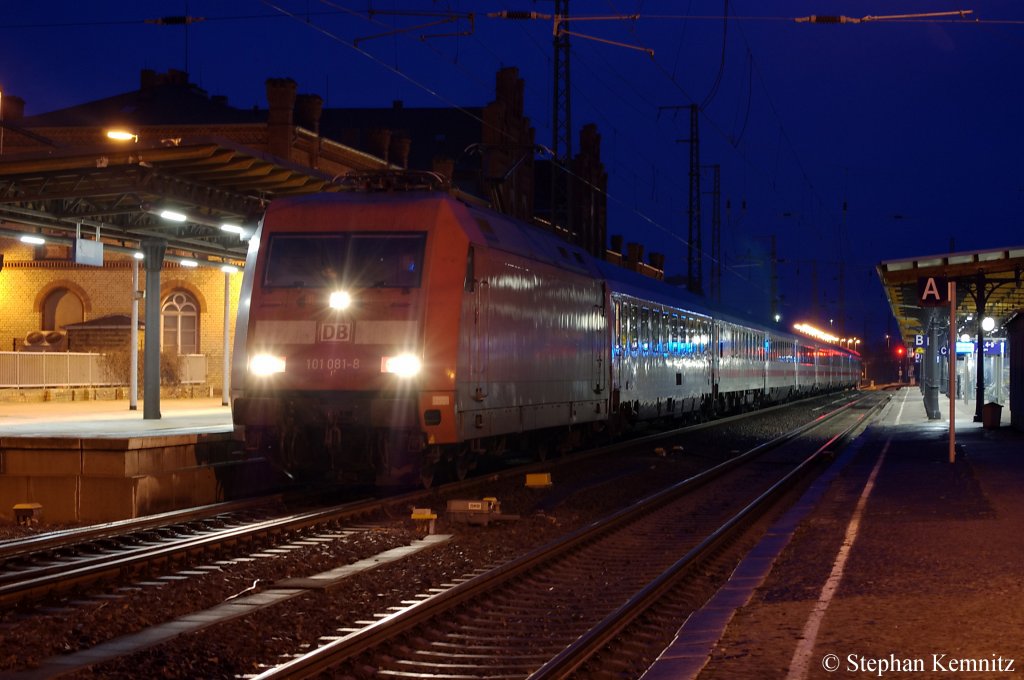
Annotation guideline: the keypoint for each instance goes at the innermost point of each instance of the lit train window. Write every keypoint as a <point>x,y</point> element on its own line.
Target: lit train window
<point>634,323</point>
<point>359,260</point>
<point>621,326</point>
<point>645,328</point>
<point>657,324</point>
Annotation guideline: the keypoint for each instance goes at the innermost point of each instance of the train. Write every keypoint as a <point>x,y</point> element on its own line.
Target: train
<point>390,336</point>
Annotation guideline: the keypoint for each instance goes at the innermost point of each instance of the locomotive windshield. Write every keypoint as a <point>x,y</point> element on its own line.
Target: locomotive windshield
<point>356,260</point>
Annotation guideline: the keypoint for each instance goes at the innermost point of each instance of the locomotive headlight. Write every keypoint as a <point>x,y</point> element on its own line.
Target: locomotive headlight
<point>339,299</point>
<point>266,364</point>
<point>403,365</point>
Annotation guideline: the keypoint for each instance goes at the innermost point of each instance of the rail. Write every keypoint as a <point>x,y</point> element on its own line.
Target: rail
<point>402,622</point>
<point>78,369</point>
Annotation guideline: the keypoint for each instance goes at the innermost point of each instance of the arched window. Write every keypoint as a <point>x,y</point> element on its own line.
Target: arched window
<point>60,308</point>
<point>180,316</point>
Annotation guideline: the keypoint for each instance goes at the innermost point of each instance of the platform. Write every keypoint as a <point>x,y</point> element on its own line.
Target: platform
<point>112,418</point>
<point>897,563</point>
<point>97,461</point>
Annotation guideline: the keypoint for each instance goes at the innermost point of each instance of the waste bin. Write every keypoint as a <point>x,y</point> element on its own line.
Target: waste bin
<point>990,415</point>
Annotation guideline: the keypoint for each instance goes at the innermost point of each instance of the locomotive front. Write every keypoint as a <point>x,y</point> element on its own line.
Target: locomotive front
<point>337,368</point>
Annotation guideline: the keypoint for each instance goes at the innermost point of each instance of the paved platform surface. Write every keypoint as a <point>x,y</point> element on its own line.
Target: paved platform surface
<point>898,564</point>
<point>102,419</point>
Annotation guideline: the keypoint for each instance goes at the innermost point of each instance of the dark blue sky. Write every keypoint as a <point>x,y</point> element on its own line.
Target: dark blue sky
<point>912,124</point>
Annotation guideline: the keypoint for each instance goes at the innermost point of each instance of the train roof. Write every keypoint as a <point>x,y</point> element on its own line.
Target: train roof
<point>509,234</point>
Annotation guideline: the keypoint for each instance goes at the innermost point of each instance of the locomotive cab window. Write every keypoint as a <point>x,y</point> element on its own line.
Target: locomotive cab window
<point>361,260</point>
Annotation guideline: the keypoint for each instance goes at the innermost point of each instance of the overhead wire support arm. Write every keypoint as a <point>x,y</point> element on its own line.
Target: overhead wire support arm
<point>842,19</point>
<point>559,22</point>
<point>648,50</point>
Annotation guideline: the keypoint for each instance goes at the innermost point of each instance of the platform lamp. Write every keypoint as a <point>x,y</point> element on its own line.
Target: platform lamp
<point>122,135</point>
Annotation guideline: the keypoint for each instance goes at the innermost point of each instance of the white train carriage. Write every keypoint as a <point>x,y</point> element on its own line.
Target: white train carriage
<point>780,380</point>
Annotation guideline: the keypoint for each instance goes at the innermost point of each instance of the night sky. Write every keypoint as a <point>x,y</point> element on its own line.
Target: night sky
<point>911,124</point>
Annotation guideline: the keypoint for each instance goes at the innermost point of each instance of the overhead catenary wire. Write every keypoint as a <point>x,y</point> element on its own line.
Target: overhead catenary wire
<point>732,136</point>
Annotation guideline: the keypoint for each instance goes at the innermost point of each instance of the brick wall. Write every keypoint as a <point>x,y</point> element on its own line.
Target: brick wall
<point>25,284</point>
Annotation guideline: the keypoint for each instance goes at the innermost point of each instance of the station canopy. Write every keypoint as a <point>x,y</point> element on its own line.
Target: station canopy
<point>118,195</point>
<point>996,273</point>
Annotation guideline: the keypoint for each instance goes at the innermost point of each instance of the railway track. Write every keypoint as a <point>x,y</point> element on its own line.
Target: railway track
<point>550,612</point>
<point>217,536</point>
<point>78,559</point>
<point>75,559</point>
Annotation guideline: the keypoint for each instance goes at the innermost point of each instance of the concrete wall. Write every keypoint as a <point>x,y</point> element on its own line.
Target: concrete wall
<point>102,480</point>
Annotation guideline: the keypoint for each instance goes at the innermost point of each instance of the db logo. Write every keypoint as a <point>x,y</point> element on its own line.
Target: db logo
<point>335,332</point>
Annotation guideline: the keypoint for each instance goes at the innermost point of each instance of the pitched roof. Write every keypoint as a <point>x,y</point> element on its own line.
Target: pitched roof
<point>162,99</point>
<point>114,321</point>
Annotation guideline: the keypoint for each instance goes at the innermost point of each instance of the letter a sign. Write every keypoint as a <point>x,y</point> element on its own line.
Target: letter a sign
<point>933,291</point>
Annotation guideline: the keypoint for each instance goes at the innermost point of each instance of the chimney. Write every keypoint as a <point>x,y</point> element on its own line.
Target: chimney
<point>281,100</point>
<point>379,142</point>
<point>444,166</point>
<point>635,255</point>
<point>590,141</point>
<point>657,261</point>
<point>617,243</point>
<point>308,108</point>
<point>176,77</point>
<point>13,108</point>
<point>401,145</point>
<point>509,89</point>
<point>148,79</point>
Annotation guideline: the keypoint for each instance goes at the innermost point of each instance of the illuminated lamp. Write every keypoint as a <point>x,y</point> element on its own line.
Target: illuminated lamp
<point>340,299</point>
<point>988,323</point>
<point>266,364</point>
<point>122,136</point>
<point>33,240</point>
<point>229,269</point>
<point>404,365</point>
<point>189,263</point>
<point>173,215</point>
<point>813,332</point>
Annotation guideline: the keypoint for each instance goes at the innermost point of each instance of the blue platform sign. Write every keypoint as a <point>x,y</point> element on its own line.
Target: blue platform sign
<point>995,348</point>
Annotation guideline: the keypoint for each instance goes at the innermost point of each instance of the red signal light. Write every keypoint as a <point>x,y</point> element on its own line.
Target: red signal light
<point>901,350</point>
